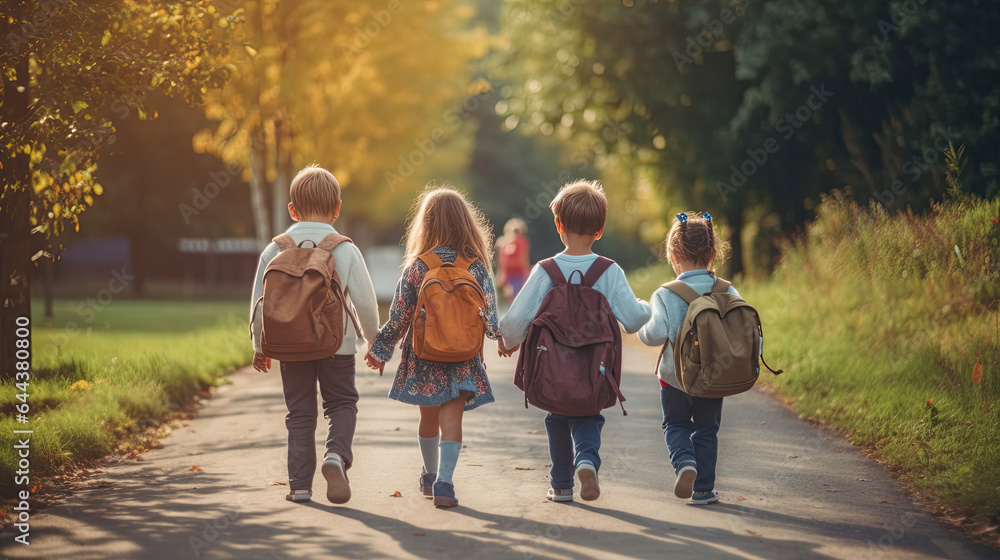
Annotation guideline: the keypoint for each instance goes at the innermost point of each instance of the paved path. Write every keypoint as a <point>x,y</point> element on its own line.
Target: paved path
<point>788,490</point>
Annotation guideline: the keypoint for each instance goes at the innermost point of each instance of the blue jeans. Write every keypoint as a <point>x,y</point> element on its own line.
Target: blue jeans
<point>691,429</point>
<point>572,440</point>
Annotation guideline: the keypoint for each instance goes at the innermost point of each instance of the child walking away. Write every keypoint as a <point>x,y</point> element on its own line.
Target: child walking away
<point>567,316</point>
<point>311,295</point>
<point>718,354</point>
<point>444,304</point>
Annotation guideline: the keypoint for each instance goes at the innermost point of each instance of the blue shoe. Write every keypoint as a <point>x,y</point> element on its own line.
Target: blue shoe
<point>702,498</point>
<point>427,483</point>
<point>444,494</point>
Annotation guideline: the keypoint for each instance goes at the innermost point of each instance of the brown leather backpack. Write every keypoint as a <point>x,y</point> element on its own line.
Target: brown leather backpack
<point>718,348</point>
<point>449,322</point>
<point>303,306</point>
<point>571,361</point>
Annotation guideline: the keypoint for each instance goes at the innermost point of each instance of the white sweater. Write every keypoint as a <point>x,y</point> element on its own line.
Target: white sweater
<point>354,278</point>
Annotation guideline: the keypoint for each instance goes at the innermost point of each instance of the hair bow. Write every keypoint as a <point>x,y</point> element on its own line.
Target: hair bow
<point>707,216</point>
<point>682,217</point>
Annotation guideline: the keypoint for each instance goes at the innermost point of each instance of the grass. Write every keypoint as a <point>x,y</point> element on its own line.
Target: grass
<point>104,375</point>
<point>879,321</point>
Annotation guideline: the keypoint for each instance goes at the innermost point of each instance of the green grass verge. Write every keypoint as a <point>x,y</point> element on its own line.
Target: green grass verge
<point>878,323</point>
<point>104,375</point>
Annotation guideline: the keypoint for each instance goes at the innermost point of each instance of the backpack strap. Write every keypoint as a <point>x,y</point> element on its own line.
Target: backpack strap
<point>595,271</point>
<point>431,260</point>
<point>330,242</point>
<point>686,292</point>
<point>555,274</point>
<point>721,286</point>
<point>284,242</point>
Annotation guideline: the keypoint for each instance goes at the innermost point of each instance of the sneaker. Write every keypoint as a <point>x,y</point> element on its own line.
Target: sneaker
<point>560,495</point>
<point>590,488</point>
<point>684,485</point>
<point>702,498</point>
<point>338,489</point>
<point>444,494</point>
<point>427,483</point>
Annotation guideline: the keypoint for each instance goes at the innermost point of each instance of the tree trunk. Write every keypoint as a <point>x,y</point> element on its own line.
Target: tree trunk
<point>15,223</point>
<point>282,176</point>
<point>735,217</point>
<point>257,185</point>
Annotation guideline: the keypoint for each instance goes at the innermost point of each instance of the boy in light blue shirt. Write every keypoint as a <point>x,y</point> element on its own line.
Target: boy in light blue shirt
<point>580,211</point>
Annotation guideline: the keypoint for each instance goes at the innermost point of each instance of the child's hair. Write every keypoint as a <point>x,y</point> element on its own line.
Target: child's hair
<point>314,191</point>
<point>581,207</point>
<point>693,239</point>
<point>444,218</point>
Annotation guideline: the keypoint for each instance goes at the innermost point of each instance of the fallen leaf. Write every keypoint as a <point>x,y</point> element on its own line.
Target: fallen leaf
<point>741,499</point>
<point>977,373</point>
<point>930,402</point>
<point>397,494</point>
<point>968,422</point>
<point>194,468</point>
<point>754,533</point>
<point>986,409</point>
<point>279,483</point>
<point>793,456</point>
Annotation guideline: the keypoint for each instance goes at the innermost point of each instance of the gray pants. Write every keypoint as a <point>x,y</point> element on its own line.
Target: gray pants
<point>340,405</point>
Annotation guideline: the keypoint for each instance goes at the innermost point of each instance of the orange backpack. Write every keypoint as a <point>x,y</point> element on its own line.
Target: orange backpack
<point>450,318</point>
<point>303,305</point>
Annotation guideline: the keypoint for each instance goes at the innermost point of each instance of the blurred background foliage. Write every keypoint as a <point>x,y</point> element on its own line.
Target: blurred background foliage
<point>747,109</point>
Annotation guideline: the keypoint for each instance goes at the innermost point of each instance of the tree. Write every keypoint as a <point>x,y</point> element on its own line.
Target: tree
<point>65,66</point>
<point>370,90</point>
<point>739,104</point>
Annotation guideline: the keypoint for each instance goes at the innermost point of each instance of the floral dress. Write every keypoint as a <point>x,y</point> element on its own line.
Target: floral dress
<point>423,382</point>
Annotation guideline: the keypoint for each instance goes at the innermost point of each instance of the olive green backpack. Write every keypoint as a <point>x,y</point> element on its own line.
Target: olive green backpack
<point>718,348</point>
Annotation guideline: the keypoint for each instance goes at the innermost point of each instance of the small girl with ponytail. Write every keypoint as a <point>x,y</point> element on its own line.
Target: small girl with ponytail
<point>690,424</point>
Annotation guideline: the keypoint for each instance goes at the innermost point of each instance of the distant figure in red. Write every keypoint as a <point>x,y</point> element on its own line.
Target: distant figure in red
<point>513,261</point>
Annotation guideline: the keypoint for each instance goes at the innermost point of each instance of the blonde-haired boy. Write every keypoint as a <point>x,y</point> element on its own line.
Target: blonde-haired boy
<point>315,206</point>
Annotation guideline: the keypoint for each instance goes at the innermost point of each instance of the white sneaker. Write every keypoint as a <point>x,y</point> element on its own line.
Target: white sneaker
<point>590,488</point>
<point>564,495</point>
<point>684,485</point>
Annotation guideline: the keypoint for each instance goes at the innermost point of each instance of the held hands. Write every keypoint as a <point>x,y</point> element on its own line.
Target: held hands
<point>374,363</point>
<point>503,351</point>
<point>261,362</point>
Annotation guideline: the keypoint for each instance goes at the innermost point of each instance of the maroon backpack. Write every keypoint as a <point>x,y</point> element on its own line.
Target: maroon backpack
<point>570,363</point>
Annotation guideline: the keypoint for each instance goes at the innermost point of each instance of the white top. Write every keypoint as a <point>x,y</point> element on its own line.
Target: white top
<point>353,273</point>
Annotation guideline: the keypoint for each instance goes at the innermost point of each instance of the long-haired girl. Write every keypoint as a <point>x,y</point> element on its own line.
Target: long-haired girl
<point>450,228</point>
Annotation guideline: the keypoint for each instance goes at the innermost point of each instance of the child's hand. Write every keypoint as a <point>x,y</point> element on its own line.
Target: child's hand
<point>261,362</point>
<point>374,363</point>
<point>503,351</point>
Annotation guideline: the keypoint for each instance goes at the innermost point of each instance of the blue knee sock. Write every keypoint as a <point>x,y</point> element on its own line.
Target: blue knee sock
<point>449,458</point>
<point>429,451</point>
